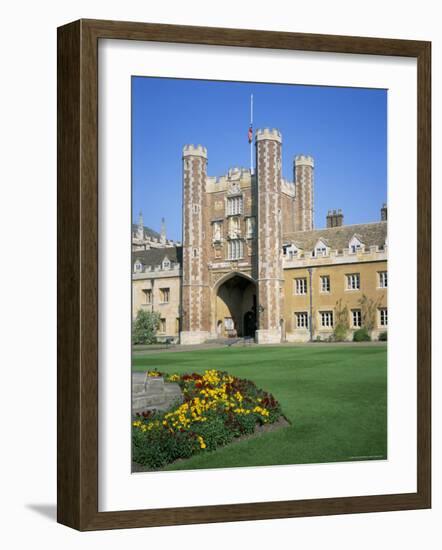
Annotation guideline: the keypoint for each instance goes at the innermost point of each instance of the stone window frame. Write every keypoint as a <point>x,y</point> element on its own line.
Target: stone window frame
<point>165,295</point>
<point>304,325</point>
<point>383,317</point>
<point>162,326</point>
<point>327,316</point>
<point>300,286</point>
<point>323,290</point>
<point>148,296</point>
<point>358,313</point>
<point>138,267</point>
<point>351,285</point>
<point>383,279</point>
<point>235,249</point>
<point>235,205</point>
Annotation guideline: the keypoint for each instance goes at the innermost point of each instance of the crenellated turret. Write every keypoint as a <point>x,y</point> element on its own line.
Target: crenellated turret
<point>303,167</point>
<point>269,258</point>
<point>195,317</point>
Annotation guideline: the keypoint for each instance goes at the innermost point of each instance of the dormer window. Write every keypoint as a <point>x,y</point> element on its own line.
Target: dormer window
<point>321,249</point>
<point>290,251</point>
<point>355,245</point>
<point>166,263</point>
<point>138,267</point>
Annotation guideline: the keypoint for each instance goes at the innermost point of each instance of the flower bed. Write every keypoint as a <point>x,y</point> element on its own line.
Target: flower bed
<point>217,407</point>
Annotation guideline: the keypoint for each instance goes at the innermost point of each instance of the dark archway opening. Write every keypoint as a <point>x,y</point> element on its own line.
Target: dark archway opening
<point>236,307</point>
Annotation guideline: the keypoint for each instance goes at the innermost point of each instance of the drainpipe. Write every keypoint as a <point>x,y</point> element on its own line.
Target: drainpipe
<point>310,290</point>
<point>153,292</point>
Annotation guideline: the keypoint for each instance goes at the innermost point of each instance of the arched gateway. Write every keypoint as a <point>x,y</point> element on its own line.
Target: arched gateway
<point>223,220</point>
<point>235,306</point>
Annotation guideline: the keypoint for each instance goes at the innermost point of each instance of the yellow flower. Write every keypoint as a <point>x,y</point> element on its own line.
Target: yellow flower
<point>201,442</point>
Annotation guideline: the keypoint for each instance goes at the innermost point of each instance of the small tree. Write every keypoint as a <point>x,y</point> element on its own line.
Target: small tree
<point>368,312</point>
<point>145,327</point>
<point>342,326</point>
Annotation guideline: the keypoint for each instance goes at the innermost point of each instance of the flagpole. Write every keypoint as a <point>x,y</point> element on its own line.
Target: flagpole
<point>251,141</point>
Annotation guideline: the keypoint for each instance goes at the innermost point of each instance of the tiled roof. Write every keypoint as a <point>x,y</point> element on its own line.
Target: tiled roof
<point>155,256</point>
<point>338,238</point>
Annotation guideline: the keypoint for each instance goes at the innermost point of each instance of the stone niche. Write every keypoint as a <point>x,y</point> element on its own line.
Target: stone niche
<point>152,392</point>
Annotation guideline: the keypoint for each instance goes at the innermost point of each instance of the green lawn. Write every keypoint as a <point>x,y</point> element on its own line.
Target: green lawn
<point>335,398</point>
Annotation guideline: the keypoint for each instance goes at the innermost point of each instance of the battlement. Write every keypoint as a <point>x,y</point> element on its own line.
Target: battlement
<point>304,160</point>
<point>268,133</point>
<point>194,151</point>
<point>305,258</point>
<point>288,187</point>
<point>240,175</point>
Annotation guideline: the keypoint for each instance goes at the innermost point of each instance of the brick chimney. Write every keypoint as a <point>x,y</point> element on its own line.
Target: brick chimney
<point>335,218</point>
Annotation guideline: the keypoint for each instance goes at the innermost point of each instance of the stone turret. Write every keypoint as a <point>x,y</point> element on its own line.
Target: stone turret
<point>196,291</point>
<point>140,227</point>
<point>269,259</point>
<point>163,237</point>
<point>303,167</point>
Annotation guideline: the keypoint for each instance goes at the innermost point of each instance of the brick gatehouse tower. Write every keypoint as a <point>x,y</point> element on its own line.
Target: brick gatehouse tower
<point>234,230</point>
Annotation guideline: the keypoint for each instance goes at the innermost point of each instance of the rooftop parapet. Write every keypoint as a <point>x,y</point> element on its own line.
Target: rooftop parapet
<point>268,133</point>
<point>304,160</point>
<point>194,151</point>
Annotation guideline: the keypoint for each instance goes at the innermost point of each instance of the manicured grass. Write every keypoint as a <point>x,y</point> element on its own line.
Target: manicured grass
<point>335,398</point>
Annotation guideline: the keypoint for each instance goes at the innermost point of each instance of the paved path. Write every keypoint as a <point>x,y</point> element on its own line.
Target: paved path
<point>145,350</point>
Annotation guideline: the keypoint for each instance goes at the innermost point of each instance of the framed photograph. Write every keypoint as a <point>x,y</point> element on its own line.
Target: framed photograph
<point>243,275</point>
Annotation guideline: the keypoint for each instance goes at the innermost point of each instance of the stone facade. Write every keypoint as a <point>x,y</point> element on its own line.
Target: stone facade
<point>156,286</point>
<point>335,295</point>
<point>247,238</point>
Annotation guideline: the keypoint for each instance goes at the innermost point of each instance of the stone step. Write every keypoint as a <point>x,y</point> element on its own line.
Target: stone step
<point>154,393</point>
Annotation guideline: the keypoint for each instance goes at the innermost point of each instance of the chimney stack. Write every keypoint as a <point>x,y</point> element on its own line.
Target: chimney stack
<point>384,212</point>
<point>335,218</point>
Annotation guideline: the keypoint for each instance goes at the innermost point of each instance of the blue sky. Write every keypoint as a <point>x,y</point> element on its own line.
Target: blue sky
<point>344,129</point>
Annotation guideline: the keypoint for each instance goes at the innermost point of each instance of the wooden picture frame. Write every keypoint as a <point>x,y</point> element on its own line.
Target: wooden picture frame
<point>77,226</point>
